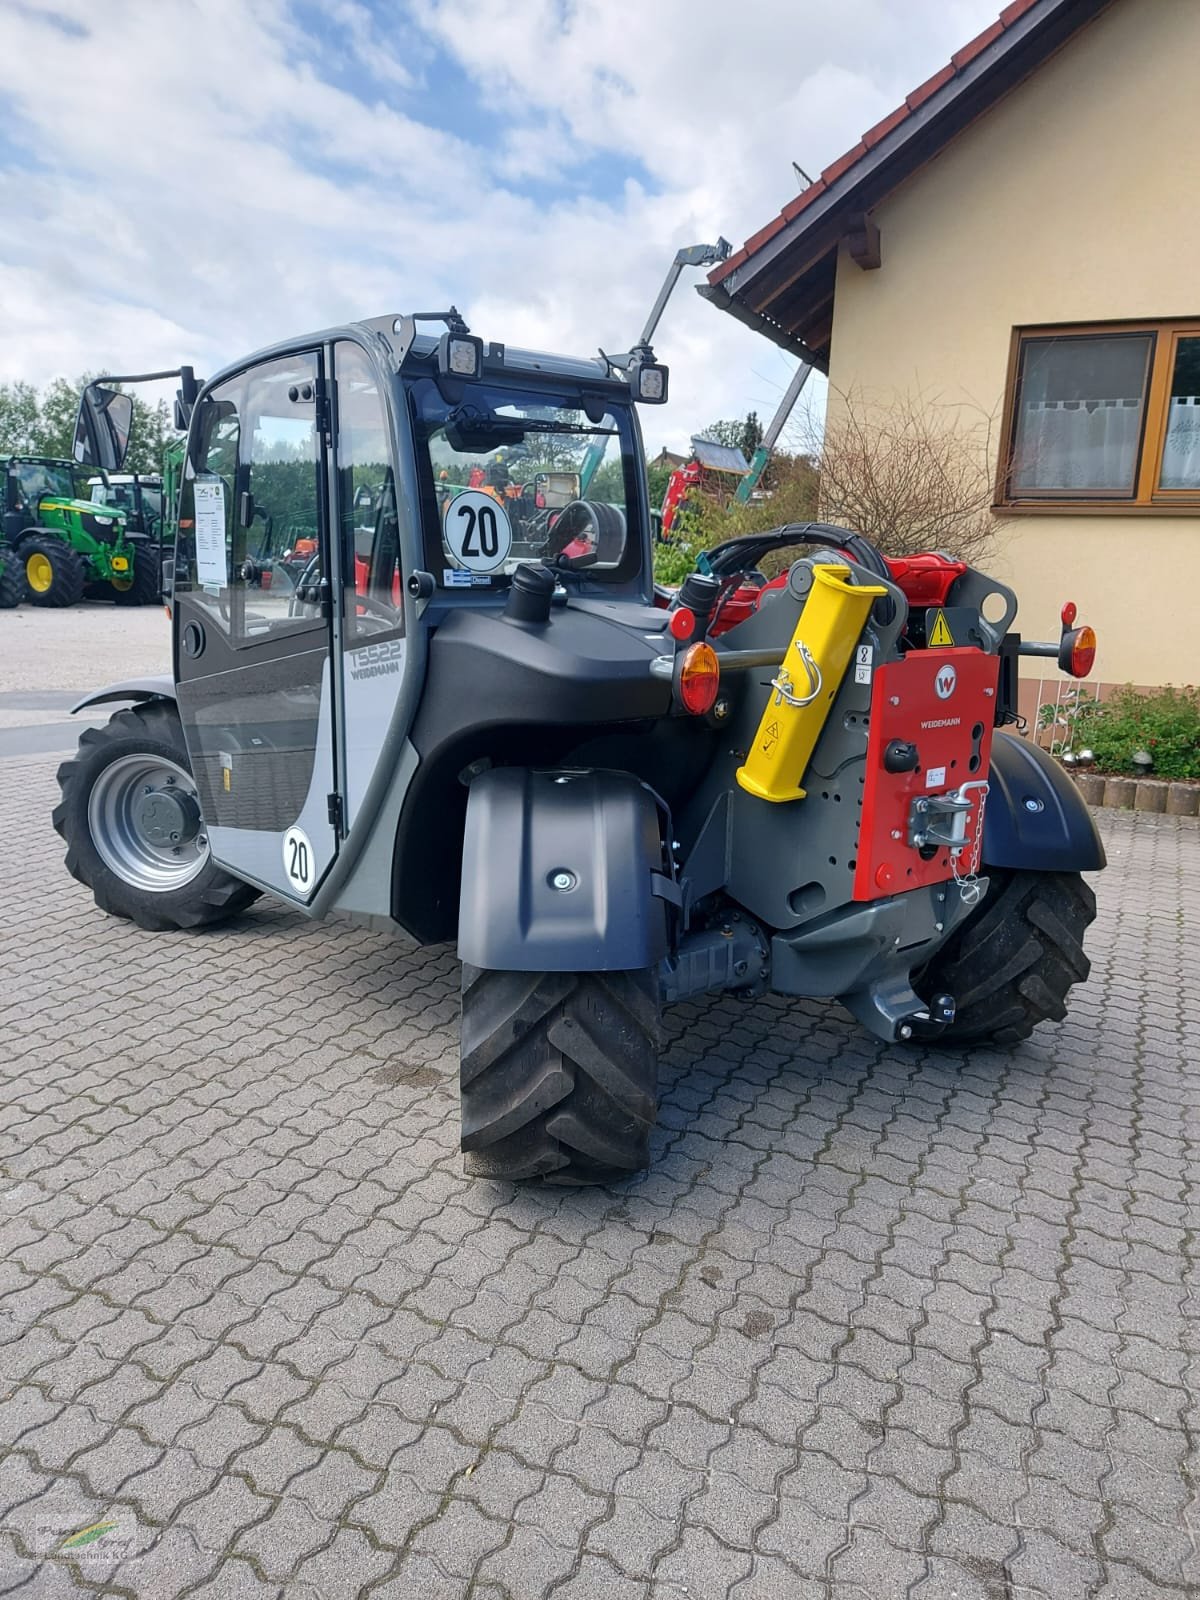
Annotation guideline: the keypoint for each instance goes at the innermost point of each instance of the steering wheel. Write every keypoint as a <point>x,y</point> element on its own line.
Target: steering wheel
<point>587,533</point>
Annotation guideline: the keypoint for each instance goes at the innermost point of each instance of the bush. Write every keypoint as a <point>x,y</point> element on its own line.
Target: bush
<point>1165,722</point>
<point>705,521</point>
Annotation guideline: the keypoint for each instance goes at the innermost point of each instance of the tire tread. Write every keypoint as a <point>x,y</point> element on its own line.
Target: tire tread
<point>558,1074</point>
<point>1012,963</point>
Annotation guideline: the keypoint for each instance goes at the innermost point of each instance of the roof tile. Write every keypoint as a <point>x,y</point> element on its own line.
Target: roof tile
<point>930,87</point>
<point>731,265</point>
<point>832,173</point>
<point>977,45</point>
<point>884,126</point>
<point>1016,10</point>
<point>804,198</point>
<point>756,240</point>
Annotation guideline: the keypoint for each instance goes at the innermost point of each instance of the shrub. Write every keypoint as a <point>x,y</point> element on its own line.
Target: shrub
<point>706,521</point>
<point>1165,722</point>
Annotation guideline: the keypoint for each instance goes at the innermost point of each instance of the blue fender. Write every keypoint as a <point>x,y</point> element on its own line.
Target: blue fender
<point>1035,818</point>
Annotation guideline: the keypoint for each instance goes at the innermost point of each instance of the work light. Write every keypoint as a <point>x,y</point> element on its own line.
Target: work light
<point>460,355</point>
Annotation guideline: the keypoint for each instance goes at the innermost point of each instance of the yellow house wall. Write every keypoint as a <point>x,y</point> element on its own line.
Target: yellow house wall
<point>1077,198</point>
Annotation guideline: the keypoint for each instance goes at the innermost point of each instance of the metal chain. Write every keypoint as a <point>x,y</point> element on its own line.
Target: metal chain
<point>969,886</point>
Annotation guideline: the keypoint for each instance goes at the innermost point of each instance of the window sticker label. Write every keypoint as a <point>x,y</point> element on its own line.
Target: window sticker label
<point>298,861</point>
<point>212,566</point>
<point>478,531</point>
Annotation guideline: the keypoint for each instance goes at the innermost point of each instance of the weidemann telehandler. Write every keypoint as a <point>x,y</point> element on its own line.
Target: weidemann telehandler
<point>422,676</point>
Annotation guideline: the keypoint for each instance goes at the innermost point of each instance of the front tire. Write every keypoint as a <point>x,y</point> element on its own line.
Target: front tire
<point>54,573</point>
<point>1011,964</point>
<point>142,586</point>
<point>559,1073</point>
<point>12,582</point>
<point>132,826</point>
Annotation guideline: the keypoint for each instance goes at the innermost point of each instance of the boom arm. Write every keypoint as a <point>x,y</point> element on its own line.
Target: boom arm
<point>694,255</point>
<point>763,454</point>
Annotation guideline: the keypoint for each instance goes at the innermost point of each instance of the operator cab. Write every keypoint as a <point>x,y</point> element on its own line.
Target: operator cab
<point>27,481</point>
<point>344,497</point>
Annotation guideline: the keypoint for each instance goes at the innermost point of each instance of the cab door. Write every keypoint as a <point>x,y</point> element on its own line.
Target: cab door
<point>253,624</point>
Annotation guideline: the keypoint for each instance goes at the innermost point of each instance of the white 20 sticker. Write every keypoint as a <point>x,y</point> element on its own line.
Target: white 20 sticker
<point>478,532</point>
<point>298,861</point>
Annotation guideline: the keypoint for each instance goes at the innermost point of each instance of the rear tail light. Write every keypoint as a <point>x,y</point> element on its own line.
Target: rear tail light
<point>699,679</point>
<point>1077,651</point>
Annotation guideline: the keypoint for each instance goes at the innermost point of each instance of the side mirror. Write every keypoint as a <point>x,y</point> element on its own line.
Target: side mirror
<point>102,428</point>
<point>554,490</point>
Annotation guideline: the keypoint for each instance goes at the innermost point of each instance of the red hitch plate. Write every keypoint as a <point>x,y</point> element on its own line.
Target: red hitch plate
<point>938,700</point>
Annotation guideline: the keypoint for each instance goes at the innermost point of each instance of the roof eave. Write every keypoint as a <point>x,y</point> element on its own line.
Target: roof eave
<point>746,288</point>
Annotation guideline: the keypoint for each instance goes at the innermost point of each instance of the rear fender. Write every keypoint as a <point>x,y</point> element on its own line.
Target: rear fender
<point>597,833</point>
<point>130,689</point>
<point>1035,818</point>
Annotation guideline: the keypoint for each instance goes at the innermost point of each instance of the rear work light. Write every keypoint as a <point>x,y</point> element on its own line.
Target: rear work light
<point>1077,651</point>
<point>699,679</point>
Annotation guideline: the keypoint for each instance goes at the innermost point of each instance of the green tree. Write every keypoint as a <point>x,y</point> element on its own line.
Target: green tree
<point>19,419</point>
<point>44,425</point>
<point>738,433</point>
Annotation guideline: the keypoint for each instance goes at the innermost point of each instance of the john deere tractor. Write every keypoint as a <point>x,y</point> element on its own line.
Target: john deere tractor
<point>469,716</point>
<point>66,545</point>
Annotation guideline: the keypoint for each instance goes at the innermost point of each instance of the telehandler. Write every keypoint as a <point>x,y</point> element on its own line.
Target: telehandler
<point>467,716</point>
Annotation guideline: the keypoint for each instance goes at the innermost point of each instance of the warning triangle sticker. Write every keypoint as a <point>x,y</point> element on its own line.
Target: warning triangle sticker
<point>940,635</point>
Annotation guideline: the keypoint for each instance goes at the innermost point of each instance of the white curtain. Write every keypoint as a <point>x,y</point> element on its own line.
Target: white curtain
<point>1181,452</point>
<point>1077,444</point>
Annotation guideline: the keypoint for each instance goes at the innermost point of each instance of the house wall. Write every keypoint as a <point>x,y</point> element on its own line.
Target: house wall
<point>1074,199</point>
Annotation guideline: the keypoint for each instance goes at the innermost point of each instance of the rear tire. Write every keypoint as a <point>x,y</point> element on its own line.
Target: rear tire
<point>53,573</point>
<point>100,786</point>
<point>559,1073</point>
<point>12,581</point>
<point>1011,964</point>
<point>143,587</point>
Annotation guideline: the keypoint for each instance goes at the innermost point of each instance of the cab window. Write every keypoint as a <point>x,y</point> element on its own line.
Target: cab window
<point>251,510</point>
<point>368,514</point>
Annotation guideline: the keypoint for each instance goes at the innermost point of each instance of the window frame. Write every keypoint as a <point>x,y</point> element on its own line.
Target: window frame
<point>231,623</point>
<point>1146,498</point>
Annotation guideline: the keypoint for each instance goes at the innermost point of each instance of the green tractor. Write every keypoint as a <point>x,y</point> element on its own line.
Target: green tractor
<point>66,545</point>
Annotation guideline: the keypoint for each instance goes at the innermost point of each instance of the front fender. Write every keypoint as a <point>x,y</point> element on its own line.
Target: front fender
<point>527,828</point>
<point>1035,818</point>
<point>130,689</point>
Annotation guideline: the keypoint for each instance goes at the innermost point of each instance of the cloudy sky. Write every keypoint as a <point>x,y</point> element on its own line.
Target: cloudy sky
<point>186,180</point>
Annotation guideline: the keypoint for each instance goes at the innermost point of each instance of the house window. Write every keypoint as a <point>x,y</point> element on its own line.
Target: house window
<point>1103,417</point>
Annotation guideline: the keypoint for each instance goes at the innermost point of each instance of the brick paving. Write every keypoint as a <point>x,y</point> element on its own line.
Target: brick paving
<point>877,1324</point>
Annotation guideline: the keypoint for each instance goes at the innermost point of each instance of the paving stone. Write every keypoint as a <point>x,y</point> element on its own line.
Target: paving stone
<point>923,1320</point>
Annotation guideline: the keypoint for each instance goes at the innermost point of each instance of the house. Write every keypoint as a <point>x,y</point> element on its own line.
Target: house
<point>666,461</point>
<point>1022,235</point>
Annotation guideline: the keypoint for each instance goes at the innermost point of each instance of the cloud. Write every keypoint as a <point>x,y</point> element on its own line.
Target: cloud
<point>211,175</point>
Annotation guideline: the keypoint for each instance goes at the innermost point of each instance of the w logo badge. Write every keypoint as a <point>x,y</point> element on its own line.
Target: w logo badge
<point>945,681</point>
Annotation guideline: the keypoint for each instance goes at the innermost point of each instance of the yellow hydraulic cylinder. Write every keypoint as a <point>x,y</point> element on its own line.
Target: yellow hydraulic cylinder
<point>807,683</point>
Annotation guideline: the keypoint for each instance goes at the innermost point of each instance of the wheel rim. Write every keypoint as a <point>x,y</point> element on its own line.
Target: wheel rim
<point>134,802</point>
<point>39,572</point>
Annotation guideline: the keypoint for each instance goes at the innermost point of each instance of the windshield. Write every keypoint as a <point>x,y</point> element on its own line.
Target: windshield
<point>38,478</point>
<point>523,477</point>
